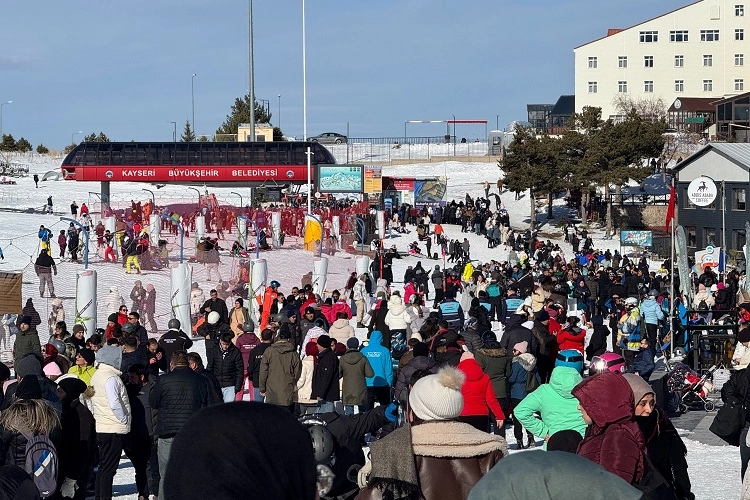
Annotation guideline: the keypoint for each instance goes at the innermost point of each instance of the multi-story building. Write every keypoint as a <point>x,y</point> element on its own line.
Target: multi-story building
<point>696,51</point>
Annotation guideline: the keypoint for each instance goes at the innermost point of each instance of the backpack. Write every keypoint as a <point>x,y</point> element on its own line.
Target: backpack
<point>532,382</point>
<point>42,463</point>
<point>702,306</point>
<point>493,290</point>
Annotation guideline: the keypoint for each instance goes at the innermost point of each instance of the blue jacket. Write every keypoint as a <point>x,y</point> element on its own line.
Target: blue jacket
<point>644,363</point>
<point>45,235</point>
<point>651,311</point>
<point>521,366</point>
<point>450,310</point>
<point>380,360</point>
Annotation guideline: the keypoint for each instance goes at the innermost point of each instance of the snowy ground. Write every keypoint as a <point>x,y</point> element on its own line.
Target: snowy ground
<point>714,470</point>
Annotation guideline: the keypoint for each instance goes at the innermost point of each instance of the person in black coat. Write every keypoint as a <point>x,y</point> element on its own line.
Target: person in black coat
<point>175,339</point>
<point>78,437</point>
<point>214,389</point>
<point>737,389</point>
<point>598,342</point>
<point>325,381</point>
<point>228,368</point>
<point>254,362</point>
<point>218,305</point>
<point>515,333</point>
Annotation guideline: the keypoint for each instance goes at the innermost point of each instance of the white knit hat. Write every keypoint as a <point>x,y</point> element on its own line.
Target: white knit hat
<point>438,397</point>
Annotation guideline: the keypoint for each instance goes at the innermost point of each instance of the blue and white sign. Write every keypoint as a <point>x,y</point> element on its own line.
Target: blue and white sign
<point>636,238</point>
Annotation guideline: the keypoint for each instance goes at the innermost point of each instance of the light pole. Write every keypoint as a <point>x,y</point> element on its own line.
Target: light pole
<point>238,194</point>
<point>72,136</point>
<point>251,75</point>
<point>278,120</point>
<point>174,133</point>
<point>304,112</point>
<point>1,117</point>
<point>153,198</point>
<point>199,195</point>
<point>192,98</point>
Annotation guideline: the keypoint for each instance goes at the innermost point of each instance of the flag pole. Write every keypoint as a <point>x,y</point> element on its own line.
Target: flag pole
<point>672,293</point>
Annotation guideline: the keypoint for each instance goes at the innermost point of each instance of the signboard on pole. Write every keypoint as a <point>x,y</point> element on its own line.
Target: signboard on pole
<point>710,257</point>
<point>636,238</point>
<point>373,179</point>
<point>702,191</point>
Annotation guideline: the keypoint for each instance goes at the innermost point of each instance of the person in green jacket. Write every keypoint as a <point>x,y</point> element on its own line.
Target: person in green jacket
<point>27,341</point>
<point>555,403</point>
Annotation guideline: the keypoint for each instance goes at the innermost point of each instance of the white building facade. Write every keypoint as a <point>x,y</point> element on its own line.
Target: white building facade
<point>699,50</point>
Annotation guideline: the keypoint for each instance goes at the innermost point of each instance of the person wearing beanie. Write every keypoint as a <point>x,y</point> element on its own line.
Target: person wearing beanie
<point>551,407</point>
<point>78,439</point>
<point>27,341</point>
<point>113,328</point>
<point>257,458</point>
<point>325,382</point>
<point>354,369</point>
<point>83,366</point>
<point>111,410</point>
<point>31,365</point>
<point>598,341</point>
<point>523,369</point>
<point>406,461</point>
<point>665,447</point>
<point>607,405</point>
<point>29,388</point>
<point>420,361</point>
<point>557,476</point>
<point>479,398</point>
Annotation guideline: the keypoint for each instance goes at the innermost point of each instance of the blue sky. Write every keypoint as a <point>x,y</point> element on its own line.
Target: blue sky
<point>125,68</point>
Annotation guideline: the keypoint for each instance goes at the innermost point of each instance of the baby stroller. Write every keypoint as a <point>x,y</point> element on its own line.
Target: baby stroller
<point>686,388</point>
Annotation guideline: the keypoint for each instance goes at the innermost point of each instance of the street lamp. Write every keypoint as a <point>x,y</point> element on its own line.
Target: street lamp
<point>73,135</point>
<point>1,117</point>
<point>192,96</point>
<point>153,199</point>
<point>199,195</point>
<point>278,120</point>
<point>238,194</point>
<point>304,112</point>
<point>174,133</point>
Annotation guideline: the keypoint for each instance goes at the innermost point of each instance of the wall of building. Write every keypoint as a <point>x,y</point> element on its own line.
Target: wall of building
<point>704,15</point>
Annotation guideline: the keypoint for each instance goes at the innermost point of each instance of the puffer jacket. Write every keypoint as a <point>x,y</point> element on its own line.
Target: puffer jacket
<point>522,365</point>
<point>572,338</point>
<point>416,322</point>
<point>651,311</point>
<point>494,361</point>
<point>354,370</point>
<point>341,330</point>
<point>557,406</point>
<point>304,384</point>
<point>280,368</point>
<point>228,368</point>
<point>613,440</point>
<point>380,360</point>
<point>177,396</point>
<point>397,318</point>
<point>515,332</point>
<point>405,373</point>
<point>479,398</point>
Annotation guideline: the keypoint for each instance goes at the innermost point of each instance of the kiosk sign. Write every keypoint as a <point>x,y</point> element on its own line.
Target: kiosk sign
<point>702,191</point>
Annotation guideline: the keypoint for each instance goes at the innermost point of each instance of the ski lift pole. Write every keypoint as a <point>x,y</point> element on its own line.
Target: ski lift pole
<point>257,233</point>
<point>85,237</point>
<point>182,234</point>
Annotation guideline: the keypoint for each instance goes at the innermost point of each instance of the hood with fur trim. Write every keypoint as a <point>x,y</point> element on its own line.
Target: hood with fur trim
<point>526,360</point>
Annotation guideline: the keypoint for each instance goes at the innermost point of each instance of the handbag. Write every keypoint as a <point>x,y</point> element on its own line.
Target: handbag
<point>721,377</point>
<point>730,420</point>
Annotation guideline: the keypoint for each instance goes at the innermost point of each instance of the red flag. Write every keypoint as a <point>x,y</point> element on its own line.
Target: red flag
<point>670,208</point>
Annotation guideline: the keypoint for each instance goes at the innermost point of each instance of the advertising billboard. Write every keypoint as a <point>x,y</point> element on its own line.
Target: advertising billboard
<point>636,238</point>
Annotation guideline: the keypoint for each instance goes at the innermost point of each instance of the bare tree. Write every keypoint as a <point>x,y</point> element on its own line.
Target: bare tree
<point>648,108</point>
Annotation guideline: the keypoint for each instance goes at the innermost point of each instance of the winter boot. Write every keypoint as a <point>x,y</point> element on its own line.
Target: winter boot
<point>519,444</point>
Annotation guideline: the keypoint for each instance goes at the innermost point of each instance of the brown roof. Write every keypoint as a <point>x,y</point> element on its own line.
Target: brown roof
<point>716,102</point>
<point>694,104</point>
<point>613,31</point>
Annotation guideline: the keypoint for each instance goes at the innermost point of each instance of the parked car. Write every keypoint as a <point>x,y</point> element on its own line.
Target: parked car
<point>329,138</point>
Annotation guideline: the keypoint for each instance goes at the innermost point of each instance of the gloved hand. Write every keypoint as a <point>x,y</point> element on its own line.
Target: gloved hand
<point>68,488</point>
<point>391,413</point>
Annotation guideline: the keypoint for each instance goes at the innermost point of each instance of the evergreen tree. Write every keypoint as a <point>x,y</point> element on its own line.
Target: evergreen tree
<point>8,144</point>
<point>23,145</point>
<point>187,133</point>
<point>240,113</point>
<point>92,137</point>
<point>69,148</point>
<point>42,149</point>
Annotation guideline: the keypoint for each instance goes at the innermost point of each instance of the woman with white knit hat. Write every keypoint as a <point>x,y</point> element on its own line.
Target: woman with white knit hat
<point>434,455</point>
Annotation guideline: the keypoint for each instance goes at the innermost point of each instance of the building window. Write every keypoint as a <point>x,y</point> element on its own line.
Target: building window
<point>678,36</point>
<point>648,61</point>
<point>709,35</point>
<point>622,61</point>
<point>690,236</point>
<point>648,86</point>
<point>622,86</point>
<point>739,84</point>
<point>708,60</point>
<point>709,236</point>
<point>708,85</point>
<point>738,199</point>
<point>739,10</point>
<point>739,59</point>
<point>592,62</point>
<point>679,85</point>
<point>740,239</point>
<point>679,61</point>
<point>649,36</point>
<point>592,87</point>
<point>739,35</point>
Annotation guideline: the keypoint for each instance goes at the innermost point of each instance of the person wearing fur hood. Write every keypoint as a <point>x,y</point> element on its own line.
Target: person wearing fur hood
<point>114,300</point>
<point>523,366</point>
<point>56,314</point>
<point>433,456</point>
